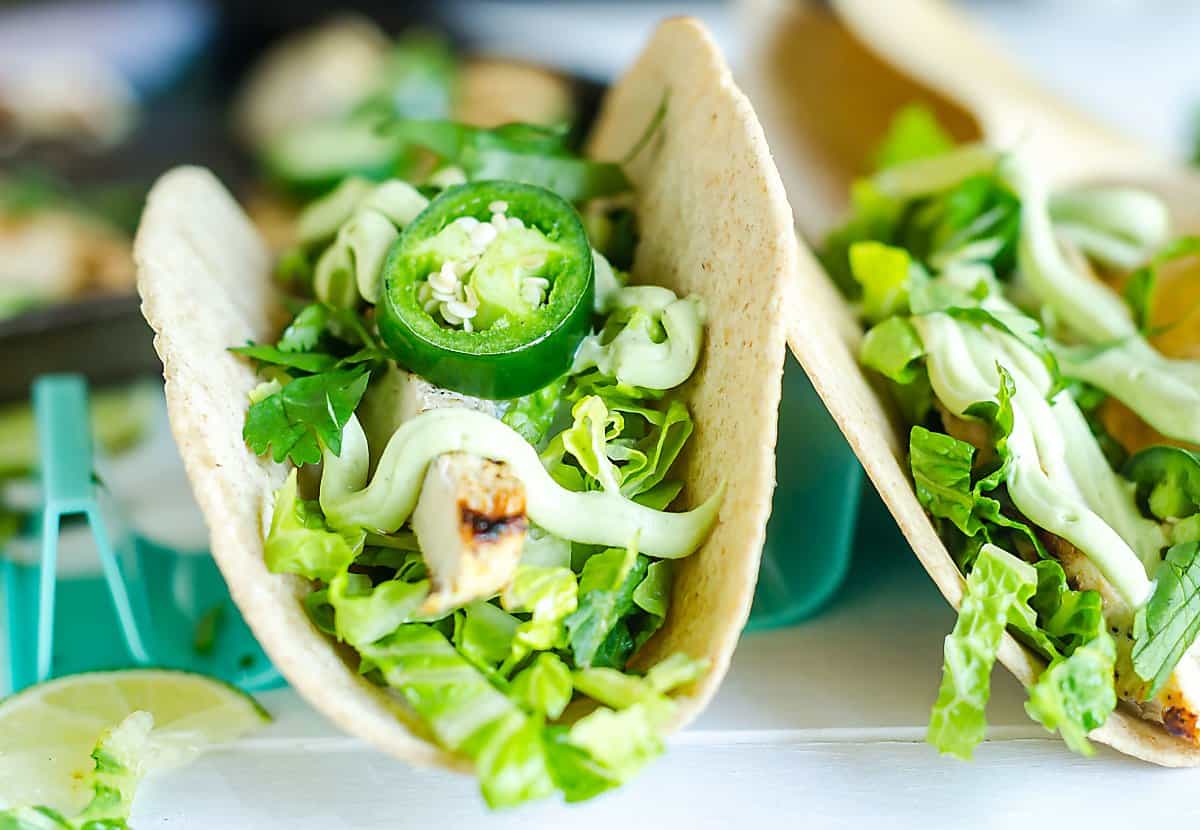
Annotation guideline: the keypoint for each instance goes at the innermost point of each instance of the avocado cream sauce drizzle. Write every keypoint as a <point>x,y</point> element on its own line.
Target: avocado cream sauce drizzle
<point>600,518</point>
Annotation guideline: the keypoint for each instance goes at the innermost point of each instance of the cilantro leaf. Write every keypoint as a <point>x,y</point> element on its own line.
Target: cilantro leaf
<point>311,362</point>
<point>304,332</point>
<point>294,422</point>
<point>1166,626</point>
<point>344,336</point>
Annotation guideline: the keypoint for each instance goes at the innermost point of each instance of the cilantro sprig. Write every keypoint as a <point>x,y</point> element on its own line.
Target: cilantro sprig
<point>323,361</point>
<point>1167,625</point>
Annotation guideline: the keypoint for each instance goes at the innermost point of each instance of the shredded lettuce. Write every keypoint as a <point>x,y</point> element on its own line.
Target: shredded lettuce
<point>533,415</point>
<point>620,690</point>
<point>599,630</point>
<point>364,613</point>
<point>621,742</point>
<point>545,550</point>
<point>619,444</point>
<point>484,633</point>
<point>544,687</point>
<point>300,542</point>
<point>614,688</point>
<point>1073,695</point>
<point>646,461</point>
<point>913,134</point>
<point>958,723</point>
<point>883,272</point>
<point>941,468</point>
<point>893,348</point>
<point>944,471</point>
<point>587,440</point>
<point>675,671</point>
<point>653,594</point>
<point>1069,618</point>
<point>465,711</point>
<point>873,217</point>
<point>548,595</point>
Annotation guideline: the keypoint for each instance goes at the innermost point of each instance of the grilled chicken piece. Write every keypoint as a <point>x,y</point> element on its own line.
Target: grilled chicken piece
<point>417,395</point>
<point>470,521</point>
<point>470,516</point>
<point>396,396</point>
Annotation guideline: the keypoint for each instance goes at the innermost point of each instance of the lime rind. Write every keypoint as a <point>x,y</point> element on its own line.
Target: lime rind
<point>51,734</point>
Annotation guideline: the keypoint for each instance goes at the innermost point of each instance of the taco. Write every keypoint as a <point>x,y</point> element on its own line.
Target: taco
<point>1025,408</point>
<point>532,539</point>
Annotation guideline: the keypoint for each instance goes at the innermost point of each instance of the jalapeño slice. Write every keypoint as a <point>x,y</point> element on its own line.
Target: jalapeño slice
<point>516,346</point>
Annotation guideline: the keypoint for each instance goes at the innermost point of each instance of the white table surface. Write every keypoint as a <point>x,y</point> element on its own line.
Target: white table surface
<point>821,725</point>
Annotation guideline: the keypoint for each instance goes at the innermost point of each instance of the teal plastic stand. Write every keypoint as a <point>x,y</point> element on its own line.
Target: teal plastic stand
<point>810,536</point>
<point>147,606</point>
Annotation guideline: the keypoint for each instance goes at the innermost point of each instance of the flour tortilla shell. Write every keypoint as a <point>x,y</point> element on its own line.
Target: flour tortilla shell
<point>714,222</point>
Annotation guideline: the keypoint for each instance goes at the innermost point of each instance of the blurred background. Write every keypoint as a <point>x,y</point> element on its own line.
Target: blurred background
<point>99,96</point>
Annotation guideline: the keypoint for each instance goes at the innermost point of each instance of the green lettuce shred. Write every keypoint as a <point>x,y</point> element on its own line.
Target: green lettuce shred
<point>883,272</point>
<point>958,723</point>
<point>1075,695</point>
<point>893,348</point>
<point>913,134</point>
<point>465,711</point>
<point>544,687</point>
<point>301,543</point>
<point>600,633</point>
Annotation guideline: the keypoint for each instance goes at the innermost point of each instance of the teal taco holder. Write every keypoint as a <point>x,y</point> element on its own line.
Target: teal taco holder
<point>810,536</point>
<point>124,600</point>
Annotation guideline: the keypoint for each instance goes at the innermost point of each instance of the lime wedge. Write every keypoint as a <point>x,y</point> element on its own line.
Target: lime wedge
<point>48,732</point>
